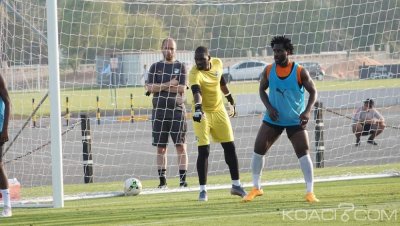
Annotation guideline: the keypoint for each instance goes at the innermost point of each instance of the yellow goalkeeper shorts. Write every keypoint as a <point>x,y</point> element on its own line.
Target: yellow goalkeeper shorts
<point>216,124</point>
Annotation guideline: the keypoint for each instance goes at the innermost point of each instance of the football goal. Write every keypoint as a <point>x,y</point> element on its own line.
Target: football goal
<point>350,47</point>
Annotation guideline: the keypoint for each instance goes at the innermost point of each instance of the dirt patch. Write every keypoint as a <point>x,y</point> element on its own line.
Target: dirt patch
<point>349,69</point>
<point>36,77</point>
<point>85,78</point>
<point>67,80</point>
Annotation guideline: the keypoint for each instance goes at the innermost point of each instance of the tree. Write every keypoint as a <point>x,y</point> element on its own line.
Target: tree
<point>90,28</point>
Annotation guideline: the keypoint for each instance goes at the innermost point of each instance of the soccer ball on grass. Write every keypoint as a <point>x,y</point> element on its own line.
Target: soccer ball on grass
<point>132,187</point>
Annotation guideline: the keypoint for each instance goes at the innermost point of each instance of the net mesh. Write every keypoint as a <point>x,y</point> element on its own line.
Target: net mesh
<point>351,40</point>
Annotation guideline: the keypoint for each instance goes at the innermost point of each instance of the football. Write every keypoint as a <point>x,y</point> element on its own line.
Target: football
<point>132,187</point>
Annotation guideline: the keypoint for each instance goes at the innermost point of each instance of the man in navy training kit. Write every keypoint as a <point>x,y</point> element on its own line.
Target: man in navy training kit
<point>167,82</point>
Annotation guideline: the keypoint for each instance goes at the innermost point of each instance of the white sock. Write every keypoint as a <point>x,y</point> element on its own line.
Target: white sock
<point>236,182</point>
<point>257,164</point>
<point>6,197</point>
<point>203,187</point>
<point>307,168</point>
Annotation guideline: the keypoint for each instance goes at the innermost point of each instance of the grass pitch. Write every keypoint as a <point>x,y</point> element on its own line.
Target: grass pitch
<point>355,202</point>
<point>84,100</point>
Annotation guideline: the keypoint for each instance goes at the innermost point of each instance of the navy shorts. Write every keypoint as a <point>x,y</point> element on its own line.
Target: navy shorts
<point>290,130</point>
<point>163,128</point>
<point>368,129</point>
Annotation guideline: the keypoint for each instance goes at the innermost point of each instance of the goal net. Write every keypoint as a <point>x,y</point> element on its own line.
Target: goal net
<point>351,49</point>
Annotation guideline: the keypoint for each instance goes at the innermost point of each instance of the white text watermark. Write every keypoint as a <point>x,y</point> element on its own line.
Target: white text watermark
<point>344,212</point>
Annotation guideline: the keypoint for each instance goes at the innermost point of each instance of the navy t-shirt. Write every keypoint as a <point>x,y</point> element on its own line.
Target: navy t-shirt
<point>167,105</point>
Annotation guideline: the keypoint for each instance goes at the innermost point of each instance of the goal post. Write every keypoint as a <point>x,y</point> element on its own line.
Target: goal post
<point>80,50</point>
<point>55,106</point>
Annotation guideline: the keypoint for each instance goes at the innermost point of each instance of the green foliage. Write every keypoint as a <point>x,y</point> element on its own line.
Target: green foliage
<point>73,62</point>
<point>193,29</point>
<point>88,25</point>
<point>231,29</point>
<point>23,36</point>
<point>88,28</point>
<point>143,32</point>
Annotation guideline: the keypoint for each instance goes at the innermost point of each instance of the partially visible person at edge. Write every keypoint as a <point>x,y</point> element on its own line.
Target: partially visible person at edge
<point>211,118</point>
<point>145,80</point>
<point>367,121</point>
<point>285,110</point>
<point>167,82</point>
<point>5,107</point>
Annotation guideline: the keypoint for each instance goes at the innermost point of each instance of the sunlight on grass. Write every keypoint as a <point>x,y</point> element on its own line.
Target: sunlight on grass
<point>368,195</point>
<point>84,100</point>
<point>268,176</point>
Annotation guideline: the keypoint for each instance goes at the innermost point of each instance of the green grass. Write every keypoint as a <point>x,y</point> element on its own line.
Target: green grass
<point>84,100</point>
<point>271,175</point>
<point>372,199</point>
<point>222,209</point>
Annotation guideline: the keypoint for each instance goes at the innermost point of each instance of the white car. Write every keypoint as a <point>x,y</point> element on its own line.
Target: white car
<point>314,69</point>
<point>245,70</point>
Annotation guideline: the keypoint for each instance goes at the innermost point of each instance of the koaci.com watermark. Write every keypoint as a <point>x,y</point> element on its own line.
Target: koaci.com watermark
<point>344,212</point>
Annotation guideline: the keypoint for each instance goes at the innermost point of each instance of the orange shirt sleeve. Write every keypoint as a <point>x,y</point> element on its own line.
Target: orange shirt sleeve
<point>283,72</point>
<point>268,70</point>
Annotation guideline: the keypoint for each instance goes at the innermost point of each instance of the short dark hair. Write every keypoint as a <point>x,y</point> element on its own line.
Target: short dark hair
<point>286,42</point>
<point>370,102</point>
<point>201,50</point>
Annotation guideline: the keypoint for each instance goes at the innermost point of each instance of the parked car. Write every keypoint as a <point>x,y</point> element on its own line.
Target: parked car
<point>245,70</point>
<point>314,69</point>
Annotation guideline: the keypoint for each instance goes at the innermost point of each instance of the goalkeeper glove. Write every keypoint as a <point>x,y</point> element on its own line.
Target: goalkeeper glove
<point>232,107</point>
<point>198,113</point>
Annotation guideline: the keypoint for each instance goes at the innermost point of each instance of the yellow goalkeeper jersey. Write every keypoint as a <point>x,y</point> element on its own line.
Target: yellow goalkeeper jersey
<point>209,82</point>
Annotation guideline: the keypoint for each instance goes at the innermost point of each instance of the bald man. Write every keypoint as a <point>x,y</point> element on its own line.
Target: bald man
<point>167,83</point>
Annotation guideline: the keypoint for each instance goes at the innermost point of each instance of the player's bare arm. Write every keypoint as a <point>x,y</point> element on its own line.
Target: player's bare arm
<point>310,87</point>
<point>232,106</point>
<point>264,85</point>
<point>224,87</point>
<point>196,94</point>
<point>158,87</point>
<point>198,111</point>
<point>175,87</point>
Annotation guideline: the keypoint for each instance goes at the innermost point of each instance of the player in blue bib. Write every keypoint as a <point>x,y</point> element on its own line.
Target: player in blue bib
<point>5,107</point>
<point>285,110</point>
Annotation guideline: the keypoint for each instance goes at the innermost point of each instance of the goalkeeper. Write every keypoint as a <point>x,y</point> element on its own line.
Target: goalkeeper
<point>211,118</point>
